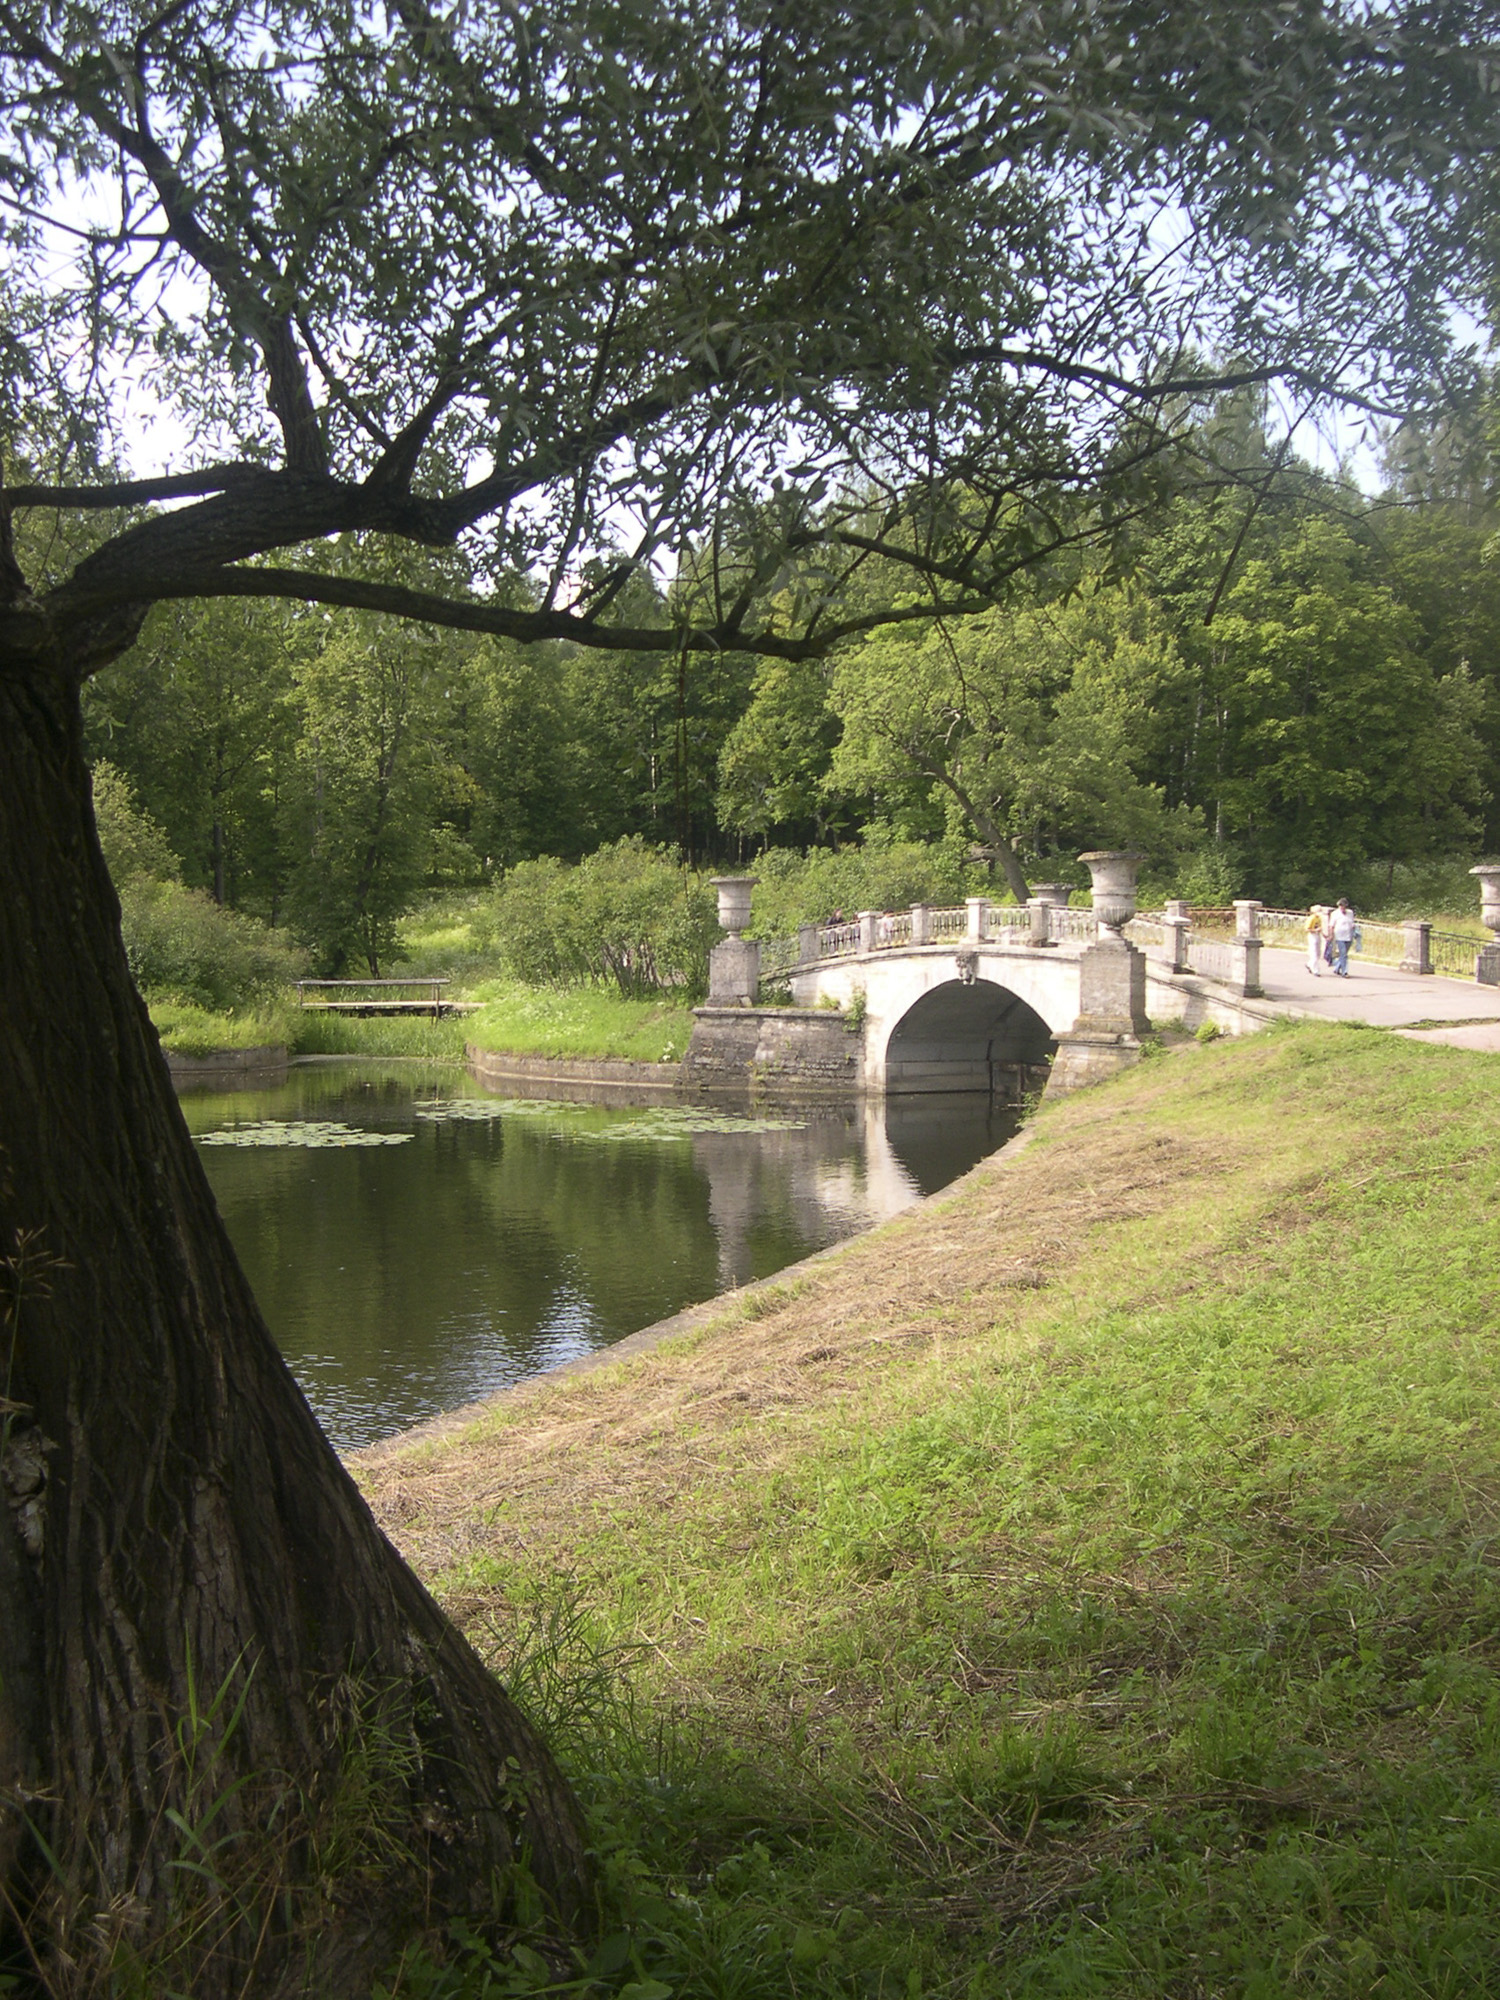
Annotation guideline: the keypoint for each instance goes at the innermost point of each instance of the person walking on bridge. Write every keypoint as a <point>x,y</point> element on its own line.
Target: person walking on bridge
<point>1314,929</point>
<point>1344,926</point>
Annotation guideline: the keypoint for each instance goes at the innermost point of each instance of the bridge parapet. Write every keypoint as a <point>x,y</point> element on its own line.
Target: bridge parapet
<point>1169,938</point>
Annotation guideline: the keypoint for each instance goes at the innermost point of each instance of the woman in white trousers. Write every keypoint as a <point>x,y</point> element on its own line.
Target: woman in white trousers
<point>1314,928</point>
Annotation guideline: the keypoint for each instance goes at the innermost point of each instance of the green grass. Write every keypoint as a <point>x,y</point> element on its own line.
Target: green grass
<point>194,1031</point>
<point>582,1021</point>
<point>1128,1626</point>
<point>318,1034</point>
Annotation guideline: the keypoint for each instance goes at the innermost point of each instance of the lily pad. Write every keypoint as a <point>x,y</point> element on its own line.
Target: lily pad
<point>485,1110</point>
<point>301,1132</point>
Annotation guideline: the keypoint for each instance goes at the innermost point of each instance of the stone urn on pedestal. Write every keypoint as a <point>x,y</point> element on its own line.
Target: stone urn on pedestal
<point>1487,959</point>
<point>1106,1037</point>
<point>734,964</point>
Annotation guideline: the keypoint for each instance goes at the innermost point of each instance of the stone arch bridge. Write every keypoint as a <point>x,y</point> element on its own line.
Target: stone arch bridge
<point>977,997</point>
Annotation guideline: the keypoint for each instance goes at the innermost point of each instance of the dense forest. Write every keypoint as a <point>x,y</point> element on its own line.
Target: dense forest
<point>1267,689</point>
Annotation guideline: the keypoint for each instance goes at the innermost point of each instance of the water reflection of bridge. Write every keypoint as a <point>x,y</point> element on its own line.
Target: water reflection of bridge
<point>910,1148</point>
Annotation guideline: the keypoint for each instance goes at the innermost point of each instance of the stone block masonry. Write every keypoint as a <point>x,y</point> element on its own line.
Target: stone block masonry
<point>807,1050</point>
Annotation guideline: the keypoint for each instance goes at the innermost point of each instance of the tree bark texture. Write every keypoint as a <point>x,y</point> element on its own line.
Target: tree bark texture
<point>175,1522</point>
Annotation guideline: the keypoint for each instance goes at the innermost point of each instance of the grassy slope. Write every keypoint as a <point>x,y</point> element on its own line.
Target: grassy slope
<point>1084,1585</point>
<point>577,1021</point>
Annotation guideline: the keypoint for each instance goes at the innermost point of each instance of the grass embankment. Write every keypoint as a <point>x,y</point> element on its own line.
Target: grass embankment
<point>195,1031</point>
<point>585,1022</point>
<point>1086,1584</point>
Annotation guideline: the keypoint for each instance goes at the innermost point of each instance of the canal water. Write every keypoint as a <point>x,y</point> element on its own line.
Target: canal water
<point>417,1242</point>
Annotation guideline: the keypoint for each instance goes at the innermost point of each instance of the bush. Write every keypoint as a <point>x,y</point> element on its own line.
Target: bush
<point>627,915</point>
<point>182,946</point>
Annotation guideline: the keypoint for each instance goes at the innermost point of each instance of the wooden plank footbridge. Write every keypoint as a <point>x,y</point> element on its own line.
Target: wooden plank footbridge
<point>380,996</point>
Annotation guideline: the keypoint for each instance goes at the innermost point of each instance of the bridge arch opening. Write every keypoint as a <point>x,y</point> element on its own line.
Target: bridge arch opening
<point>969,1036</point>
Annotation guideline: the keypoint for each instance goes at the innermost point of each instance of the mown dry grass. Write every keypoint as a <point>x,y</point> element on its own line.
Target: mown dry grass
<point>548,1458</point>
<point>1085,1584</point>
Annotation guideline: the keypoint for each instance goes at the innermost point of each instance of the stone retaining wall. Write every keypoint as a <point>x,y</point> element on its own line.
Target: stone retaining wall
<point>226,1062</point>
<point>496,1066</point>
<point>807,1050</point>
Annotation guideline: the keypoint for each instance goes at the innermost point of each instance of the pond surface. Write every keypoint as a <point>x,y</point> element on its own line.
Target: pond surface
<point>417,1242</point>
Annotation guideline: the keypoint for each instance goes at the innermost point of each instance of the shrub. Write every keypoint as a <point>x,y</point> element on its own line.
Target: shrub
<point>628,915</point>
<point>182,946</point>
<point>133,843</point>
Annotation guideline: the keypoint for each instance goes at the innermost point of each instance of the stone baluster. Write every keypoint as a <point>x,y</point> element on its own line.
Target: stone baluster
<point>921,923</point>
<point>1178,925</point>
<point>1487,959</point>
<point>1055,895</point>
<point>1416,946</point>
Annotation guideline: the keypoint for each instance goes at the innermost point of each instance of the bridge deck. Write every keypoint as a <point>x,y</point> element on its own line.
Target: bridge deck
<point>1385,998</point>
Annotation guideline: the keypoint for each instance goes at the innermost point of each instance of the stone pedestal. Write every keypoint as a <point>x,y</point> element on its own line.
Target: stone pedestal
<point>1416,947</point>
<point>977,919</point>
<point>1085,1059</point>
<point>1245,953</point>
<point>1487,965</point>
<point>1177,932</point>
<point>921,923</point>
<point>1112,988</point>
<point>1040,909</point>
<point>869,929</point>
<point>1247,918</point>
<point>734,973</point>
<point>1106,1037</point>
<point>807,944</point>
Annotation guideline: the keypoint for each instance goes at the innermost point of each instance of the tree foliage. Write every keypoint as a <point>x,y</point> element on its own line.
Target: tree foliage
<point>772,284</point>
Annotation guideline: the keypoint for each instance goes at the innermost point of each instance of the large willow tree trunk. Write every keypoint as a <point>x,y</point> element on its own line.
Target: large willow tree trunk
<point>177,1531</point>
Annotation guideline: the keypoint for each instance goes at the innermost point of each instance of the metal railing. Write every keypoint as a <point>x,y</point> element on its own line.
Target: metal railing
<point>375,996</point>
<point>1453,954</point>
<point>778,957</point>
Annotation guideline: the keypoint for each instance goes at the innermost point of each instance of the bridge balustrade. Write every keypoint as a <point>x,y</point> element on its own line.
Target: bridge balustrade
<point>1220,942</point>
<point>1008,921</point>
<point>1067,924</point>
